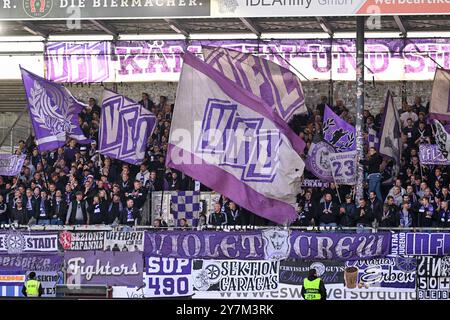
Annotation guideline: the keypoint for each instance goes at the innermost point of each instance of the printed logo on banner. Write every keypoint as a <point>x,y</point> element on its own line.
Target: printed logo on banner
<point>124,241</point>
<point>276,244</point>
<point>15,242</point>
<point>293,271</point>
<point>37,8</point>
<point>235,275</point>
<point>82,240</point>
<point>433,278</point>
<point>318,162</point>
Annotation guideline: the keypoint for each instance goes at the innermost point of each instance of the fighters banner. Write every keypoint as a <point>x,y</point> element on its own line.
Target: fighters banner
<point>11,165</point>
<point>79,241</point>
<point>343,167</point>
<point>420,244</point>
<point>104,267</point>
<point>124,241</point>
<point>235,275</point>
<point>433,278</point>
<point>430,154</point>
<point>16,242</point>
<point>254,245</point>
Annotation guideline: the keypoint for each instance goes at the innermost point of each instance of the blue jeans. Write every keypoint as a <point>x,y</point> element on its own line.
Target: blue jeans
<point>56,222</point>
<point>374,180</point>
<point>44,222</point>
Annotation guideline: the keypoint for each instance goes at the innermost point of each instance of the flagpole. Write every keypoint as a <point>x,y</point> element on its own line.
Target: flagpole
<point>360,21</point>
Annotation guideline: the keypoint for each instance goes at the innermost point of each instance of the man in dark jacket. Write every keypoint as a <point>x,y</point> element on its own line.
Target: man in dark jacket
<point>77,212</point>
<point>18,213</point>
<point>130,215</point>
<point>114,209</point>
<point>347,213</point>
<point>364,216</point>
<point>313,287</point>
<point>217,217</point>
<point>375,205</point>
<point>389,217</point>
<point>138,195</point>
<point>233,215</point>
<point>372,164</point>
<point>327,212</point>
<point>59,209</point>
<point>43,209</point>
<point>96,211</point>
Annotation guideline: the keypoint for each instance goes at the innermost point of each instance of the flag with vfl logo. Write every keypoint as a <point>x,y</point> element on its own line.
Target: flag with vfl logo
<point>232,142</point>
<point>125,127</point>
<point>440,95</point>
<point>277,86</point>
<point>337,132</point>
<point>53,111</point>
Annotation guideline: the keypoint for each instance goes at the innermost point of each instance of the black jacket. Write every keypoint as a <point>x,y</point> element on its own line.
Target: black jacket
<point>59,211</point>
<point>373,163</point>
<point>365,219</point>
<point>234,217</point>
<point>376,207</point>
<point>392,218</point>
<point>331,217</point>
<point>113,211</point>
<point>130,221</point>
<point>97,213</point>
<point>46,206</point>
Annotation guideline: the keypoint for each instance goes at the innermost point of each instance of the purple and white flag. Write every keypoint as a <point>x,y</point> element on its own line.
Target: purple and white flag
<point>277,86</point>
<point>11,164</point>
<point>390,142</point>
<point>440,95</point>
<point>53,111</point>
<point>337,132</point>
<point>317,161</point>
<point>125,127</point>
<point>372,139</point>
<point>430,154</point>
<point>343,167</point>
<point>442,138</point>
<point>229,139</point>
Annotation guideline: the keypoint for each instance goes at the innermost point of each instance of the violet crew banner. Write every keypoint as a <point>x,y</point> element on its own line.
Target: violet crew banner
<point>433,278</point>
<point>104,267</point>
<point>17,242</point>
<point>125,127</point>
<point>11,165</point>
<point>235,275</point>
<point>387,59</point>
<point>338,133</point>
<point>277,86</point>
<point>430,154</point>
<point>253,246</point>
<point>343,167</point>
<point>421,244</point>
<point>237,145</point>
<point>53,112</point>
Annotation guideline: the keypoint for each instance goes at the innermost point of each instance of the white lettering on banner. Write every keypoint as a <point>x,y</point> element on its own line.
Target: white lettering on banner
<point>75,265</point>
<point>433,277</point>
<point>343,167</point>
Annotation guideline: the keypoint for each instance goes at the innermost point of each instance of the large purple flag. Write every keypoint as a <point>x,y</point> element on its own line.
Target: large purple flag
<point>125,127</point>
<point>277,86</point>
<point>337,132</point>
<point>53,111</point>
<point>11,164</point>
<point>229,140</point>
<point>440,95</point>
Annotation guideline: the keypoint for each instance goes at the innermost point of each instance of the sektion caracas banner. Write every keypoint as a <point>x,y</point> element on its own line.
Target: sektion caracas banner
<point>253,245</point>
<point>386,59</point>
<point>104,267</point>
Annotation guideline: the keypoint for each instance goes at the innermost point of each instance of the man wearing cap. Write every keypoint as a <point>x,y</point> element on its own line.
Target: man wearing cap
<point>32,287</point>
<point>313,287</point>
<point>77,212</point>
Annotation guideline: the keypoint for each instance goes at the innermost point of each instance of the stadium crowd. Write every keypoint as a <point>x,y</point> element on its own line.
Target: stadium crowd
<point>76,185</point>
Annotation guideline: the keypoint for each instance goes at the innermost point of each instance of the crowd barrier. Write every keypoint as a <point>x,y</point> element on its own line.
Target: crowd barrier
<point>258,263</point>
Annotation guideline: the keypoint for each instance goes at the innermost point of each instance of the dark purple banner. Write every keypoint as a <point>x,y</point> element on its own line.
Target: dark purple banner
<point>31,262</point>
<point>104,267</point>
<point>265,244</point>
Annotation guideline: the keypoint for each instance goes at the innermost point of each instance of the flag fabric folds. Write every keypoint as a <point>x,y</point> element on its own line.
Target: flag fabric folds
<point>372,139</point>
<point>11,164</point>
<point>229,139</point>
<point>53,111</point>
<point>337,132</point>
<point>277,86</point>
<point>125,127</point>
<point>442,138</point>
<point>390,138</point>
<point>440,95</point>
<point>186,205</point>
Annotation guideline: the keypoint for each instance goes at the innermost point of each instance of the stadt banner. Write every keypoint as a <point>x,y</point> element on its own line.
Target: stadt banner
<point>433,278</point>
<point>16,242</point>
<point>317,59</point>
<point>235,275</point>
<point>104,267</point>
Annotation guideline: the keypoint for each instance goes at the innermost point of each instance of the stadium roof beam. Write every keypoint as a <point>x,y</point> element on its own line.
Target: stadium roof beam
<point>34,30</point>
<point>177,27</point>
<point>325,25</point>
<point>107,28</point>
<point>250,25</point>
<point>401,25</point>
